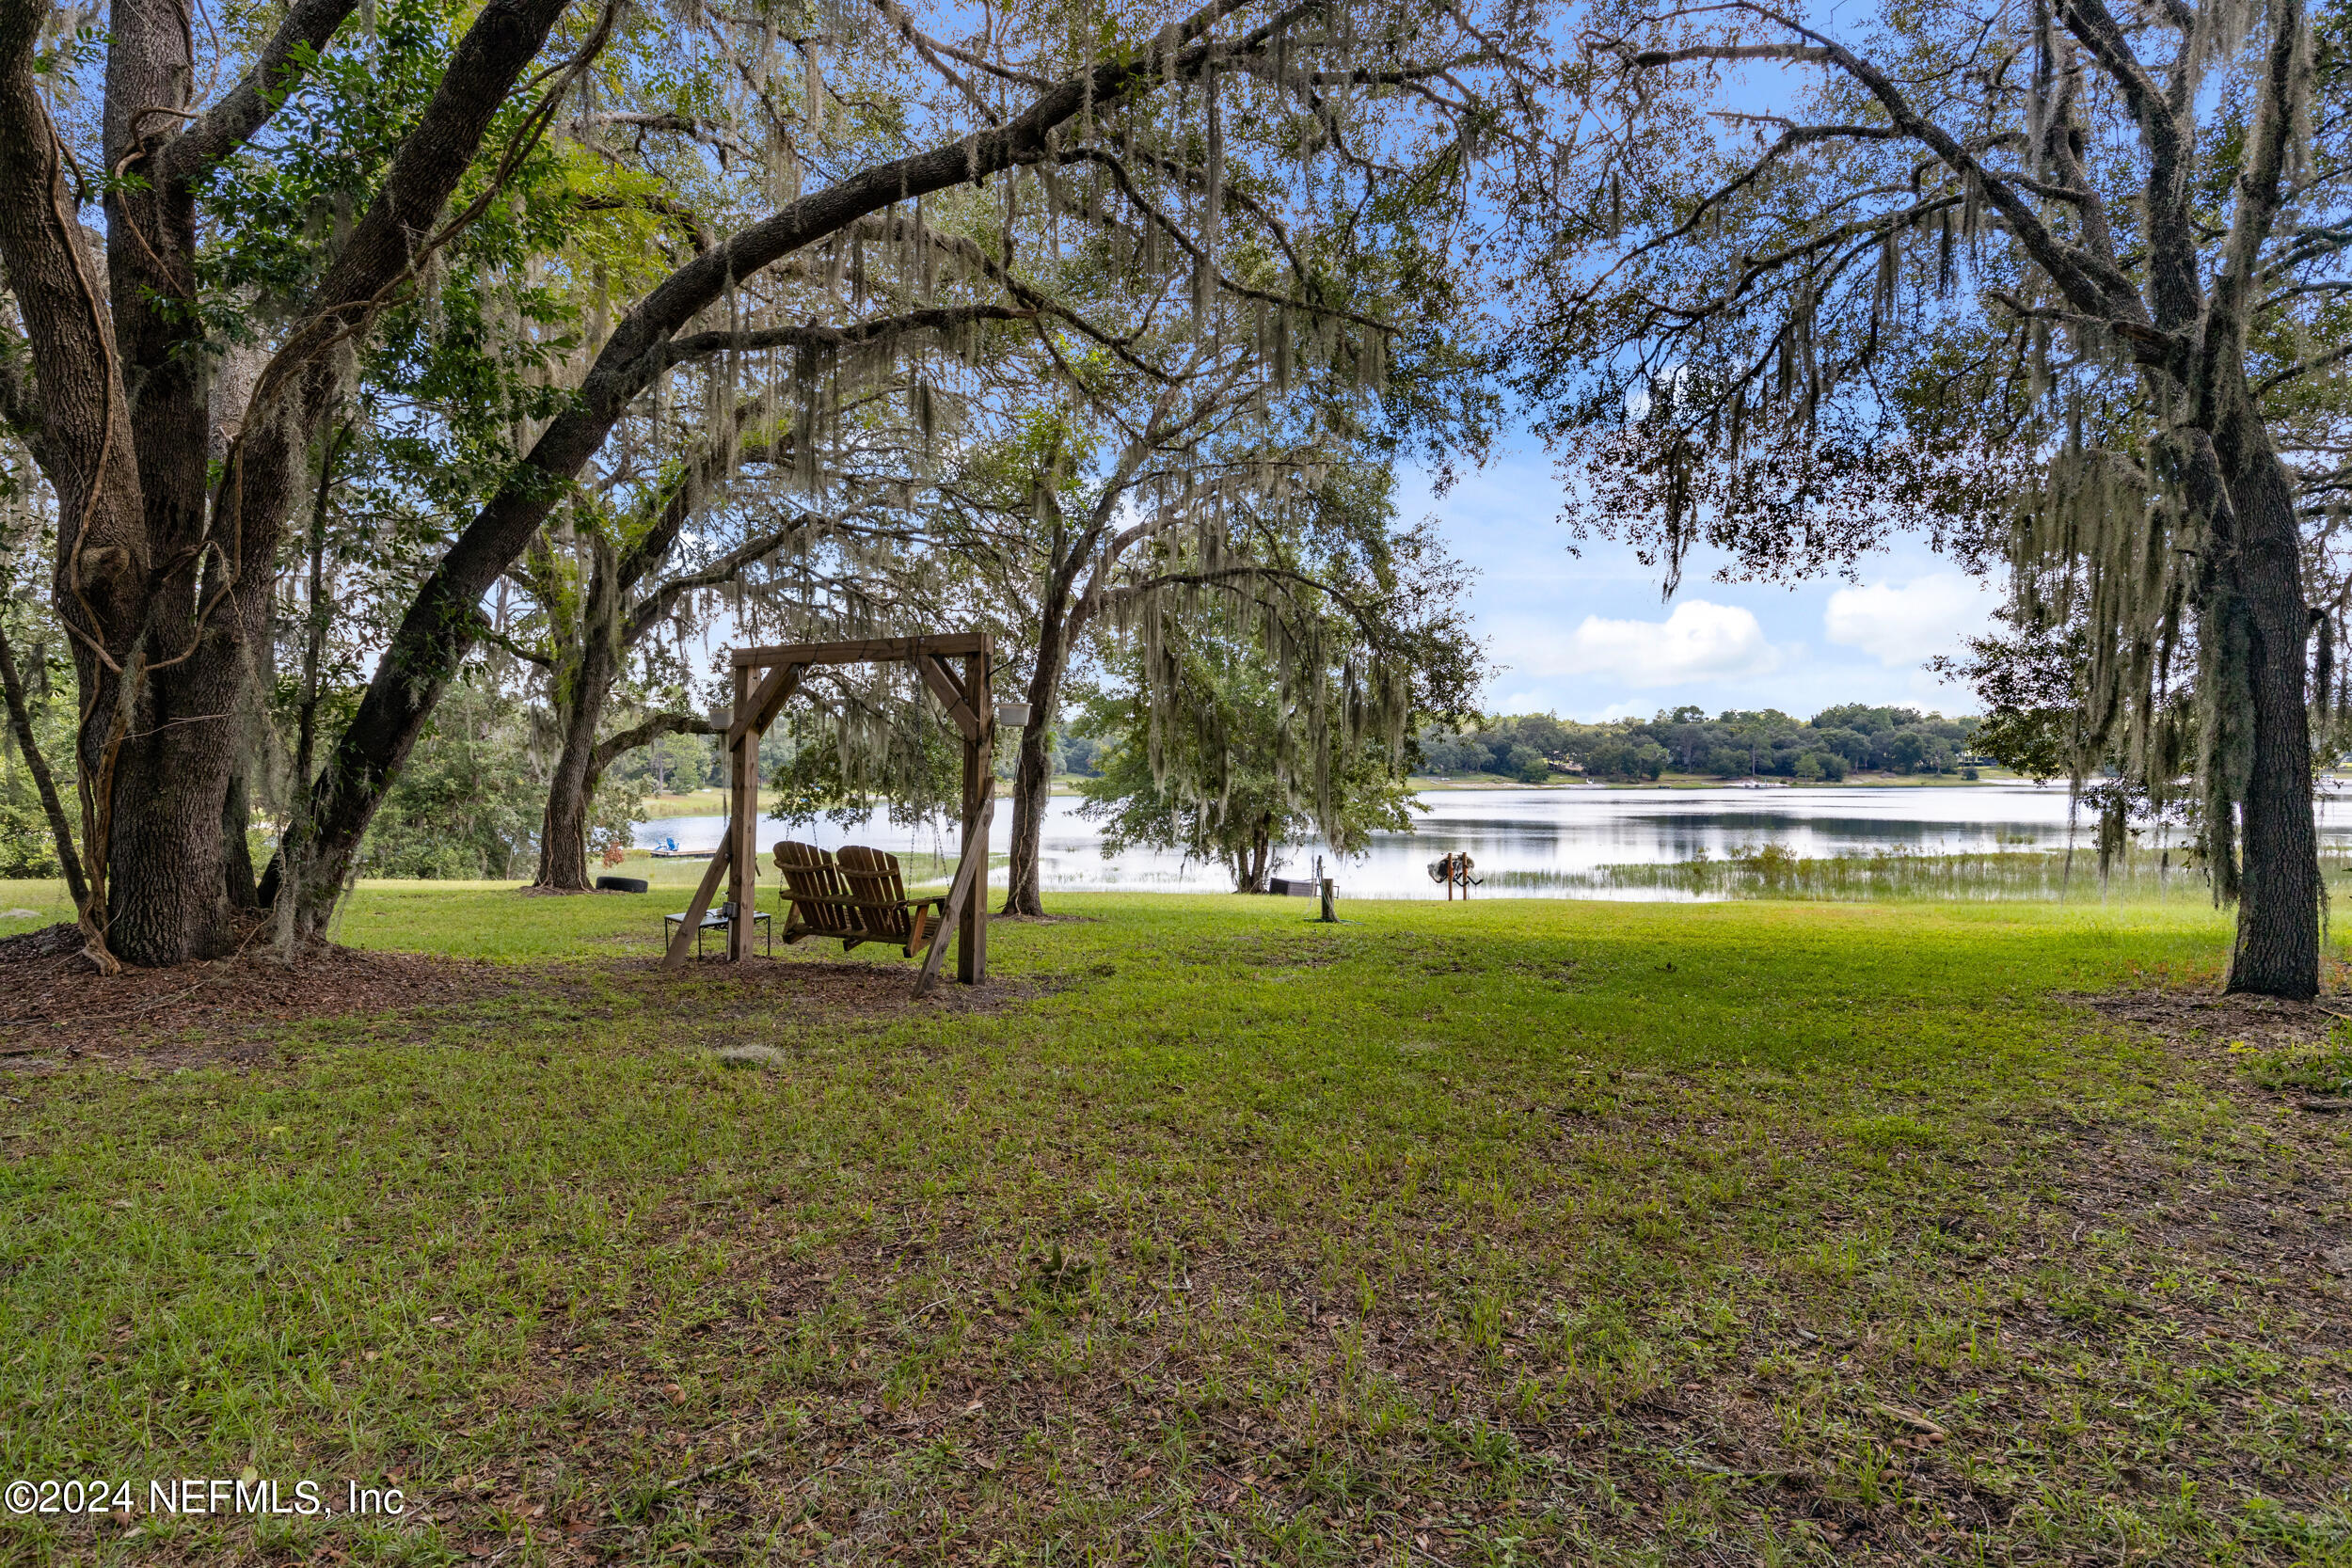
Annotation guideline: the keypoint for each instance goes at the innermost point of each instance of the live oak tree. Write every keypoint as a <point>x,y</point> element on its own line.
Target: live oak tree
<point>2054,282</point>
<point>1237,723</point>
<point>632,575</point>
<point>254,229</point>
<point>1077,520</point>
<point>162,566</point>
<point>1195,412</point>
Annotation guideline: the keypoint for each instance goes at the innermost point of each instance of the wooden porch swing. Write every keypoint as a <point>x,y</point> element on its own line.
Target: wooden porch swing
<point>859,898</point>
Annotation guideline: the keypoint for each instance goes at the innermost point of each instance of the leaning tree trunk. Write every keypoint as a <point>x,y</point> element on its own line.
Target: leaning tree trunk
<point>1033,779</point>
<point>571,793</point>
<point>2277,949</point>
<point>583,680</point>
<point>443,619</point>
<point>1032,793</point>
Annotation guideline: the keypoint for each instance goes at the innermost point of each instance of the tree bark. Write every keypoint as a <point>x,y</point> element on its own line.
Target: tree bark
<point>2277,949</point>
<point>237,852</point>
<point>162,582</point>
<point>582,681</point>
<point>571,794</point>
<point>1249,865</point>
<point>1032,797</point>
<point>1033,778</point>
<point>171,868</point>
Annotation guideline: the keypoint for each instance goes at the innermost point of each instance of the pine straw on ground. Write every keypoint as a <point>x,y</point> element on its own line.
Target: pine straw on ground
<point>59,1008</point>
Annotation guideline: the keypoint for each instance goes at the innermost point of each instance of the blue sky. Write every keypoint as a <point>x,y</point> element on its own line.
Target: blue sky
<point>1589,637</point>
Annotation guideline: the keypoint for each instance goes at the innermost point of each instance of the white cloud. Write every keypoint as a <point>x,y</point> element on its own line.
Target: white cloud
<point>1698,641</point>
<point>1924,617</point>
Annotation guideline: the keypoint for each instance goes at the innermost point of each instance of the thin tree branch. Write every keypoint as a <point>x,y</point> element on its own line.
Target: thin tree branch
<point>611,749</point>
<point>275,74</point>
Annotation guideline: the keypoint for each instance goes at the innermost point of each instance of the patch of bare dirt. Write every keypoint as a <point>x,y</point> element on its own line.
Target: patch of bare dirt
<point>2268,1207</point>
<point>58,1007</point>
<point>814,986</point>
<point>2205,1025</point>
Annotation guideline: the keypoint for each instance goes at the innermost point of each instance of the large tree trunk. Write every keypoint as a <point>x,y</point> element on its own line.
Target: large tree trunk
<point>2256,549</point>
<point>1249,865</point>
<point>163,584</point>
<point>1033,779</point>
<point>160,658</point>
<point>572,789</point>
<point>582,680</point>
<point>1032,794</point>
<point>563,827</point>
<point>161,782</point>
<point>2277,950</point>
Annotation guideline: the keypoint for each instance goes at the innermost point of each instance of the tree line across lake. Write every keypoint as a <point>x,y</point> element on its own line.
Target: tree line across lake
<point>471,805</point>
<point>1850,737</point>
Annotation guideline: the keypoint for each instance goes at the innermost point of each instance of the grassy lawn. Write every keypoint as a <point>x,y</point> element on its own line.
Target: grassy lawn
<point>1502,1232</point>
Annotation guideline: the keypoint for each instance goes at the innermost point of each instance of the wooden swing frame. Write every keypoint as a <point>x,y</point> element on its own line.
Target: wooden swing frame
<point>963,693</point>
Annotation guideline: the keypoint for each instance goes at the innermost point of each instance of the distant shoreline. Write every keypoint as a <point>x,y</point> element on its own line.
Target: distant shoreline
<point>706,802</point>
<point>1428,783</point>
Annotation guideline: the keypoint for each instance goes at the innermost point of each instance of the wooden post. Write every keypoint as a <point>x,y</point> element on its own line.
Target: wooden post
<point>743,776</point>
<point>971,867</point>
<point>698,905</point>
<point>979,802</point>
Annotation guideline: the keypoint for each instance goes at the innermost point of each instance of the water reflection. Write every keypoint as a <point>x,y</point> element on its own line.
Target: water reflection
<point>1538,842</point>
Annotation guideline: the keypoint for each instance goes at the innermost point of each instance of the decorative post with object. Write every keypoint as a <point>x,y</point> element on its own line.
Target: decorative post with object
<point>965,698</point>
<point>1453,870</point>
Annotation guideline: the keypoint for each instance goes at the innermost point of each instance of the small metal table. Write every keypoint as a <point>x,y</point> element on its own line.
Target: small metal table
<point>717,920</point>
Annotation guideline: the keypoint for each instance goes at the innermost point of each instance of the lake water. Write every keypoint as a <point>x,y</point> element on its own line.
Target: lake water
<point>1537,843</point>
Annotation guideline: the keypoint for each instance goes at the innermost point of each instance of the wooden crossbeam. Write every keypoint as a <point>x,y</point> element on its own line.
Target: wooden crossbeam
<point>864,649</point>
<point>766,702</point>
<point>700,906</point>
<point>950,693</point>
